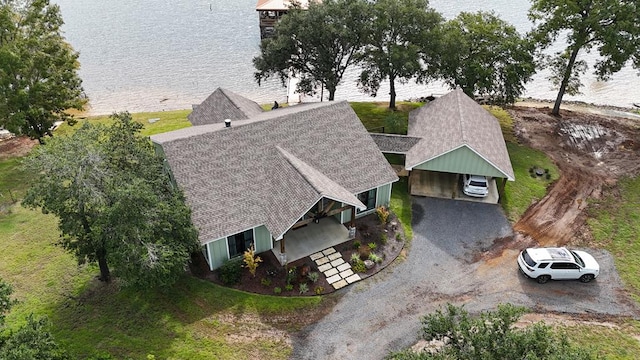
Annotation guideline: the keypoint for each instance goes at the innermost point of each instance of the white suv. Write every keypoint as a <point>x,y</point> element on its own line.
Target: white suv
<point>544,264</point>
<point>475,185</point>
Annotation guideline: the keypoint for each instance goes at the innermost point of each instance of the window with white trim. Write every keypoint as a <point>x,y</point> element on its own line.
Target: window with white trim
<point>239,243</point>
<point>368,198</point>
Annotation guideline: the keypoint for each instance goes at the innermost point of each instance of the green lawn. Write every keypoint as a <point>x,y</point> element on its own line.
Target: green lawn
<point>13,182</point>
<point>615,224</point>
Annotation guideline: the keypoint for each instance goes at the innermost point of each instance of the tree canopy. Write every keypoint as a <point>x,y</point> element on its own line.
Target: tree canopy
<point>38,69</point>
<point>401,40</point>
<point>486,56</point>
<point>491,335</point>
<point>115,202</point>
<point>610,26</point>
<point>316,45</point>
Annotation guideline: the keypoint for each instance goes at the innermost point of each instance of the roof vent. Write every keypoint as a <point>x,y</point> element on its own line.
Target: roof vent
<point>227,122</point>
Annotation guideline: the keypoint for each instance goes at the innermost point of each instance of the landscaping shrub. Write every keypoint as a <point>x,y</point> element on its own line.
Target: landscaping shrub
<point>319,290</point>
<point>313,276</point>
<point>383,214</point>
<point>291,275</point>
<point>355,257</point>
<point>231,271</point>
<point>289,287</point>
<point>375,258</point>
<point>277,290</point>
<point>303,288</point>
<point>359,267</point>
<point>398,237</point>
<point>251,261</point>
<point>372,246</point>
<point>265,282</point>
<point>356,244</point>
<point>364,252</point>
<point>384,239</point>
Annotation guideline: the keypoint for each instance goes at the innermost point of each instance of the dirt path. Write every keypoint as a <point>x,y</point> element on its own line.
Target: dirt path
<point>591,150</point>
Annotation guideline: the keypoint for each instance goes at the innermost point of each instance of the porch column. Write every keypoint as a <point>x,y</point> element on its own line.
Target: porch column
<point>283,255</point>
<point>282,245</point>
<point>353,216</point>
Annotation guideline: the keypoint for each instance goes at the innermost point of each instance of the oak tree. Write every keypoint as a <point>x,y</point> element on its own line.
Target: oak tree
<point>402,38</point>
<point>316,45</point>
<point>486,56</point>
<point>612,27</point>
<point>38,69</point>
<point>115,202</point>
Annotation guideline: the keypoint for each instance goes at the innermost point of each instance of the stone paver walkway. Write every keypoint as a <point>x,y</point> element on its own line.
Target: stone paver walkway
<point>338,272</point>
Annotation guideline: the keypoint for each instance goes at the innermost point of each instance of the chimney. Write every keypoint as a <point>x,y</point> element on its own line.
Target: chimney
<point>227,123</point>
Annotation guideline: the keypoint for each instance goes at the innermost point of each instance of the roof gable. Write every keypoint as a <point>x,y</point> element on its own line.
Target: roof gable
<point>452,121</point>
<point>270,169</point>
<point>223,104</point>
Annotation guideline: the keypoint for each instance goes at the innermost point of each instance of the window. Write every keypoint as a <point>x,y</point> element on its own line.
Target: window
<point>368,198</point>
<point>543,265</point>
<point>239,243</point>
<point>564,266</point>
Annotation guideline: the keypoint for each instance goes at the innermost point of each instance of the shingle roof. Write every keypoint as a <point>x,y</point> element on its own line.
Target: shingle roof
<point>452,121</point>
<point>397,144</point>
<point>223,104</point>
<point>271,169</point>
<point>279,4</point>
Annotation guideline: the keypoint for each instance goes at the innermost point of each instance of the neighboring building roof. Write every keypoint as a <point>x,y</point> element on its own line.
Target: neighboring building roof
<point>223,104</point>
<point>274,167</point>
<point>396,144</point>
<point>452,122</point>
<point>279,5</point>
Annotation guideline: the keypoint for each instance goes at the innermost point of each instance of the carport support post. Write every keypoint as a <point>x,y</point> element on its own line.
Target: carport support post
<point>501,185</point>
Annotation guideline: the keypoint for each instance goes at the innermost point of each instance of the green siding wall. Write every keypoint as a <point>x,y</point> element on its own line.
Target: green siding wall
<point>384,195</point>
<point>218,253</point>
<point>461,161</point>
<point>262,238</point>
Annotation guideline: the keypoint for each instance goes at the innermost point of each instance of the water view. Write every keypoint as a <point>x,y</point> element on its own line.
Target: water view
<point>161,55</point>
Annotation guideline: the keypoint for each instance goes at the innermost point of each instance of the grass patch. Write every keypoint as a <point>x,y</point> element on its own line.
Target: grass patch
<point>506,122</point>
<point>167,121</point>
<point>615,225</point>
<point>520,194</point>
<point>376,115</point>
<point>395,159</point>
<point>14,182</point>
<point>606,342</point>
<point>401,205</point>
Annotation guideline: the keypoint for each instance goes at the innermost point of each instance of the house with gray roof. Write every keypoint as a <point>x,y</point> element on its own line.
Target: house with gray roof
<point>447,137</point>
<point>223,104</point>
<point>264,175</point>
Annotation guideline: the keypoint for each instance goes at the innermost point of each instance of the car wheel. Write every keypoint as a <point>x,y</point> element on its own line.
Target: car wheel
<point>543,279</point>
<point>586,278</point>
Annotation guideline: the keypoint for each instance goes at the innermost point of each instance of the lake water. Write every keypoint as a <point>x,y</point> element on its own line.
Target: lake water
<point>168,54</point>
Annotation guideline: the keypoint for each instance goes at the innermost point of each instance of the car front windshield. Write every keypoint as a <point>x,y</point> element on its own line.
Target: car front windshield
<point>528,259</point>
<point>578,258</point>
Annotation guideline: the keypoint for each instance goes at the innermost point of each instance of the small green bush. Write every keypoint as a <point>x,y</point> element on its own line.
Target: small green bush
<point>372,246</point>
<point>375,258</point>
<point>384,239</point>
<point>355,257</point>
<point>319,290</point>
<point>359,267</point>
<point>265,282</point>
<point>356,244</point>
<point>289,287</point>
<point>231,271</point>
<point>277,290</point>
<point>303,288</point>
<point>291,275</point>
<point>313,276</point>
<point>383,214</point>
<point>398,237</point>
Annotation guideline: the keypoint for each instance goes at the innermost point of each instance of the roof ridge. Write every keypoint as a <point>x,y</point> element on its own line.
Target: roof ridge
<point>462,120</point>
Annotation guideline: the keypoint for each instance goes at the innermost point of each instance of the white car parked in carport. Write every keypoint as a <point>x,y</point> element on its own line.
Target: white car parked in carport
<point>475,185</point>
<point>558,263</point>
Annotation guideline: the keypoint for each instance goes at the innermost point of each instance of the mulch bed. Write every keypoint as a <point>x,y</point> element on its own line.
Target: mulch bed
<point>271,275</point>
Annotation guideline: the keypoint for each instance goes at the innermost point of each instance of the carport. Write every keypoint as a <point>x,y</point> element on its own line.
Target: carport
<point>446,138</point>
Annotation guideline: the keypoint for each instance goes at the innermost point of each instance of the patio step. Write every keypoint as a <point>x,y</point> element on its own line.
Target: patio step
<point>337,271</point>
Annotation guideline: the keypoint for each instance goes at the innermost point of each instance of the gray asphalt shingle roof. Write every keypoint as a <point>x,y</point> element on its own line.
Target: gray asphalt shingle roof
<point>391,143</point>
<point>452,121</point>
<point>272,168</point>
<point>223,104</point>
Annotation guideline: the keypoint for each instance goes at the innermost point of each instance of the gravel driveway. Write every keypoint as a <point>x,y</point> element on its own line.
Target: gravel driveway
<point>382,313</point>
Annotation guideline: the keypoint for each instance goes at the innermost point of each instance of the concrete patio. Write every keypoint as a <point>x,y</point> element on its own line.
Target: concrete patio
<point>312,238</point>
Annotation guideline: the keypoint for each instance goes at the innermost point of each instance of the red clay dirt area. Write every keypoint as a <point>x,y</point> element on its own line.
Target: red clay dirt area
<point>592,152</point>
<point>15,146</point>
